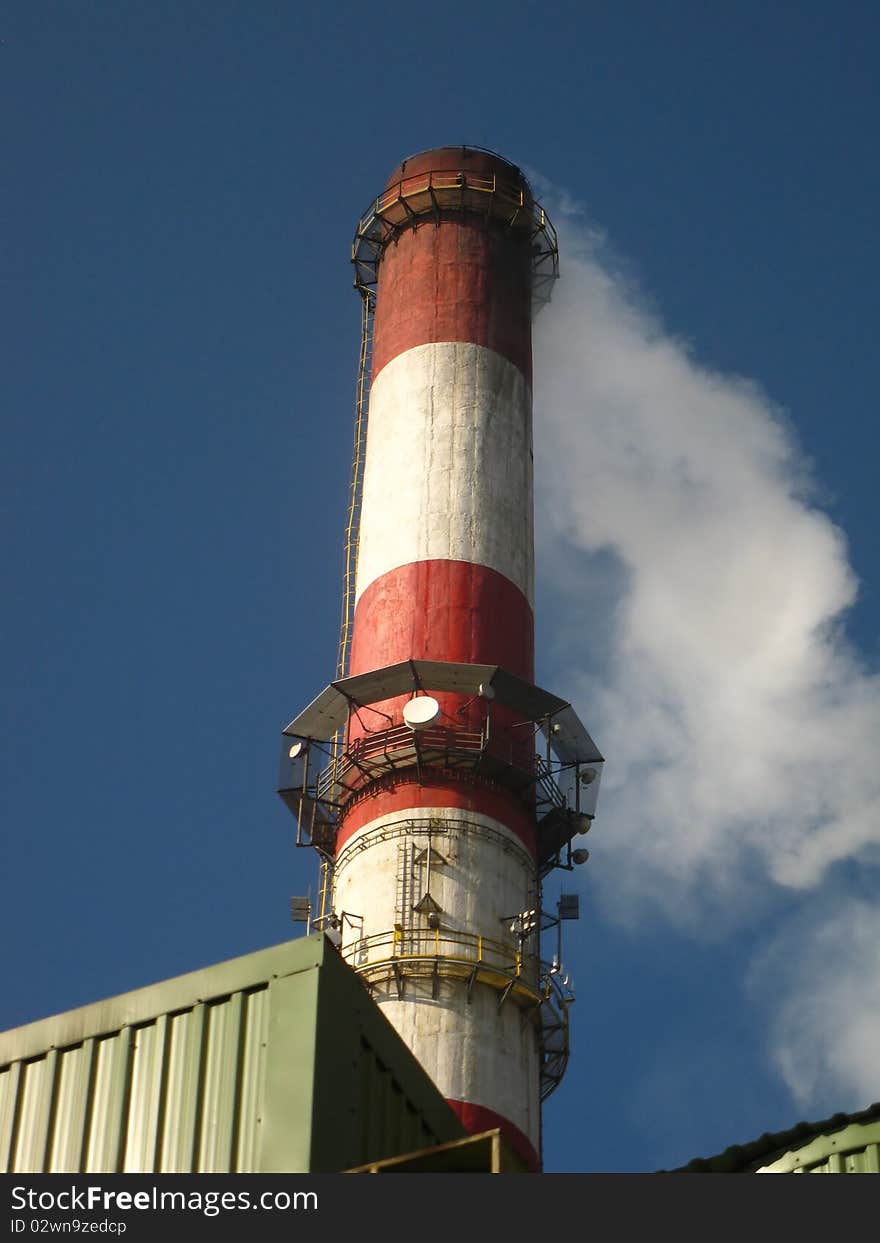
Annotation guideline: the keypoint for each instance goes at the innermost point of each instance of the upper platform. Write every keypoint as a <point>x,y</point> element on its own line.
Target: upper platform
<point>320,779</point>
<point>445,181</point>
<point>476,162</point>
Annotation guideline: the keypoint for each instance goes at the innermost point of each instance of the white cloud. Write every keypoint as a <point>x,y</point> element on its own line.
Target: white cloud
<point>826,1024</point>
<point>740,727</point>
<point>699,595</point>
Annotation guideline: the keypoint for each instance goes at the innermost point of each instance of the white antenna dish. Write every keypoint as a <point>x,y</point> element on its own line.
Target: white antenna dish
<point>421,712</point>
<point>296,749</point>
<point>485,691</point>
<point>588,776</point>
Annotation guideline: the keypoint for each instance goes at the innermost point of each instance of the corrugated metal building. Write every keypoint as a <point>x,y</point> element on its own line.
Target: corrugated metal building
<point>843,1144</point>
<point>277,1061</point>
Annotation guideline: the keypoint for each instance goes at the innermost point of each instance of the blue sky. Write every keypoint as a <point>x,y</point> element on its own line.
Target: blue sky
<point>183,182</point>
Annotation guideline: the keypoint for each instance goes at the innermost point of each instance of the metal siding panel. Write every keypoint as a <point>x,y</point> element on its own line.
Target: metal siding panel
<point>403,1138</point>
<point>182,1083</point>
<point>289,1116</point>
<point>362,1062</point>
<point>219,1098</point>
<point>366,1084</point>
<point>854,1149</point>
<point>863,1161</point>
<point>413,1128</point>
<point>76,1067</point>
<point>142,1005</point>
<point>38,1083</point>
<point>253,1080</point>
<point>393,1100</point>
<point>403,1131</point>
<point>148,1065</point>
<point>378,1120</point>
<point>224,1086</point>
<point>109,1104</point>
<point>10,1079</point>
<point>389,1122</point>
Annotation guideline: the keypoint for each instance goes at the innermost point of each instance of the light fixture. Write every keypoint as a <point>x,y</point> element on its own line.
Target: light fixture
<point>581,822</point>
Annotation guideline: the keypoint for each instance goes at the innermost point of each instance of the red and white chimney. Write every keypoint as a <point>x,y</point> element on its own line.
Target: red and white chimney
<point>454,783</point>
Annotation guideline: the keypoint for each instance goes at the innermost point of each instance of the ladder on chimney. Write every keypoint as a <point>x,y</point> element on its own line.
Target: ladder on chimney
<point>352,527</point>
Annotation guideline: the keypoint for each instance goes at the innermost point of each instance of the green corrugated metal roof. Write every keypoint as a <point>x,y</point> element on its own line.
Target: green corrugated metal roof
<point>805,1145</point>
<point>276,1062</point>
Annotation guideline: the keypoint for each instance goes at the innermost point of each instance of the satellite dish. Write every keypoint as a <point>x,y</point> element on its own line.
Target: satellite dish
<point>421,712</point>
<point>588,776</point>
<point>485,691</point>
<point>296,750</point>
<point>580,856</point>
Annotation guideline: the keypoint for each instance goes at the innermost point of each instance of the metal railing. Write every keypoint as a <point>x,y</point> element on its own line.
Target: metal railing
<point>467,948</point>
<point>374,754</point>
<point>499,756</point>
<point>555,1037</point>
<point>430,953</point>
<point>548,790</point>
<point>434,192</point>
